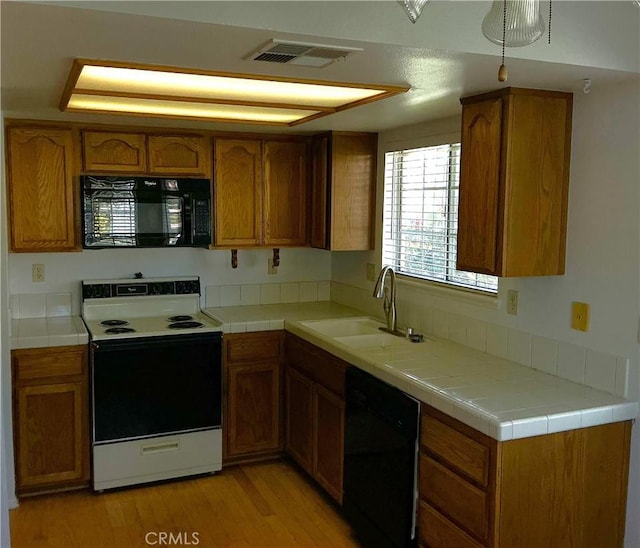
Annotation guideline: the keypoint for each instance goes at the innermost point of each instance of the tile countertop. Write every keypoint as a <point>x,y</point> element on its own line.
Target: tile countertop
<point>52,331</point>
<point>499,398</point>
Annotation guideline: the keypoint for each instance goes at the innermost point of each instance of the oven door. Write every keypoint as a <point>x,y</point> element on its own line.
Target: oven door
<point>152,386</point>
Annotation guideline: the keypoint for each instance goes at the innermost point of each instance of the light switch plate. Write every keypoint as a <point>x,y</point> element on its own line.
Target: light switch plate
<point>580,316</point>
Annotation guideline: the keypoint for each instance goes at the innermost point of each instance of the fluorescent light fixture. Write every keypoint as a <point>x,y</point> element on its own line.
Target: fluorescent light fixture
<point>148,90</point>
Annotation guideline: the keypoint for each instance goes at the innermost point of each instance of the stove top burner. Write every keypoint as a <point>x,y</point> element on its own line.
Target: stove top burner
<point>184,325</point>
<point>118,330</point>
<point>181,318</point>
<point>111,323</point>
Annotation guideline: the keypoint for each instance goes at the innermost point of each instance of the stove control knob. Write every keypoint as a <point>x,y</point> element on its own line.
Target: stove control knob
<point>156,289</point>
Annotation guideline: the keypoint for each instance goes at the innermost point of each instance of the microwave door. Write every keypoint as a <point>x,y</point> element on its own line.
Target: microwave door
<point>119,218</point>
<point>159,220</point>
<point>110,219</point>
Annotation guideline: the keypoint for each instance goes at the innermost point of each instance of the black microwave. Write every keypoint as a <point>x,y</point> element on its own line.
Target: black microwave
<point>145,212</point>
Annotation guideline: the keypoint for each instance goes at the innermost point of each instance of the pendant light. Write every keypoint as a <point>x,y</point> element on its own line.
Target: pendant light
<point>413,8</point>
<point>514,23</point>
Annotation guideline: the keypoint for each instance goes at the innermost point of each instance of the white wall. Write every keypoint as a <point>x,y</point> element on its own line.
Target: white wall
<point>603,243</point>
<point>64,271</point>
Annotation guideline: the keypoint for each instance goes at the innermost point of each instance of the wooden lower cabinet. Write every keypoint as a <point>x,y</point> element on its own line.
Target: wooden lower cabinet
<point>557,490</point>
<point>252,396</point>
<point>51,418</point>
<point>328,411</point>
<point>299,418</point>
<point>314,404</point>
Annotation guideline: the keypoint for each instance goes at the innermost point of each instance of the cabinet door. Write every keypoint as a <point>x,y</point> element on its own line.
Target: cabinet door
<point>536,184</point>
<point>238,193</point>
<point>51,433</point>
<point>319,191</point>
<point>179,155</point>
<point>40,190</point>
<point>353,191</point>
<point>114,152</point>
<point>299,418</point>
<point>285,193</point>
<point>328,410</point>
<point>479,225</point>
<point>253,409</point>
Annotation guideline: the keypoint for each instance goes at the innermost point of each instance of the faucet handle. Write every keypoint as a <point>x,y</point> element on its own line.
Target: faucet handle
<point>409,332</point>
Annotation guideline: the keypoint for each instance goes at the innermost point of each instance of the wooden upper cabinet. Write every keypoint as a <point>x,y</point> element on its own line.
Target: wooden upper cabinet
<point>114,152</point>
<point>179,155</point>
<point>343,191</point>
<point>146,154</point>
<point>238,193</point>
<point>479,183</point>
<point>514,182</point>
<point>40,190</point>
<point>319,191</point>
<point>285,193</point>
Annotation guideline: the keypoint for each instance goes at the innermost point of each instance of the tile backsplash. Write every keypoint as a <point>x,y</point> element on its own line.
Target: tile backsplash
<point>40,305</point>
<point>276,293</point>
<point>599,370</point>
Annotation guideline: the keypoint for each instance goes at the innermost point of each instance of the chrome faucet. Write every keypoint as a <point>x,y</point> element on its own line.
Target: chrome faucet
<point>381,291</point>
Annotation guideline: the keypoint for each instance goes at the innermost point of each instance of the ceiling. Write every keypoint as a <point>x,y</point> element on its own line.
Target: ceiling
<point>442,57</point>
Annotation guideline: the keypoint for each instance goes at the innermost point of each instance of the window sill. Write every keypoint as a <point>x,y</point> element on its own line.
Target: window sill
<point>467,296</point>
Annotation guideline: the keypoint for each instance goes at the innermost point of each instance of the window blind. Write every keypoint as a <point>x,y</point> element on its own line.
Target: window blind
<point>421,188</point>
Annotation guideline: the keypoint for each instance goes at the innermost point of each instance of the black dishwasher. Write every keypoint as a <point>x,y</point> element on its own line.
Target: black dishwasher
<point>380,452</point>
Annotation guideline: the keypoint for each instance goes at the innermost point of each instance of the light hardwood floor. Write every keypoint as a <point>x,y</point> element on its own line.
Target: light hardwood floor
<point>259,505</point>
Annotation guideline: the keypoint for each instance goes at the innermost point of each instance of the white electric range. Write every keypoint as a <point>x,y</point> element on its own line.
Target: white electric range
<point>156,380</point>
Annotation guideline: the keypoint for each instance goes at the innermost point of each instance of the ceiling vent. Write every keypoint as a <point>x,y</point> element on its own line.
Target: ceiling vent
<point>300,53</point>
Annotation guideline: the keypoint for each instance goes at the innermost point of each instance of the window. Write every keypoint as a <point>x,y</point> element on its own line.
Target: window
<point>421,216</point>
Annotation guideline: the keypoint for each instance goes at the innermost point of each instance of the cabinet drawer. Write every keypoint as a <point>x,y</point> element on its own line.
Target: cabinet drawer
<point>315,363</point>
<point>464,454</point>
<point>436,531</point>
<point>259,346</point>
<point>56,362</point>
<point>459,500</point>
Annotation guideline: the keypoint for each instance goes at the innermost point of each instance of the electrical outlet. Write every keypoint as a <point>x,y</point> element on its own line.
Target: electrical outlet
<point>271,270</point>
<point>580,316</point>
<point>371,272</point>
<point>512,302</point>
<point>37,272</point>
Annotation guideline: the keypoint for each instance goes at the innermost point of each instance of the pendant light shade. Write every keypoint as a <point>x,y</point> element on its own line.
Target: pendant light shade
<point>413,8</point>
<point>520,20</point>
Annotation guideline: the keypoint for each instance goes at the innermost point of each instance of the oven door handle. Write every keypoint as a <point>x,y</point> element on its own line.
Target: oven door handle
<point>158,342</point>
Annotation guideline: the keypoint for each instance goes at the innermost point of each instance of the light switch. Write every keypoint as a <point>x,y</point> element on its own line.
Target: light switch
<point>580,316</point>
